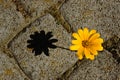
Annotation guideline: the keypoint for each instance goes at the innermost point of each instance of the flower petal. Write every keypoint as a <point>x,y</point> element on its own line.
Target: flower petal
<point>80,53</point>
<point>92,57</point>
<point>87,53</point>
<point>93,37</point>
<point>99,40</point>
<point>93,43</point>
<point>74,47</point>
<point>76,36</point>
<point>86,33</point>
<point>100,48</point>
<point>97,47</point>
<point>92,51</point>
<point>92,32</point>
<point>80,32</point>
<point>76,42</point>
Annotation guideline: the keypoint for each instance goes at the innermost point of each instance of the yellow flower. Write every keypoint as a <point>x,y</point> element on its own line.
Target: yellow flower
<point>87,43</point>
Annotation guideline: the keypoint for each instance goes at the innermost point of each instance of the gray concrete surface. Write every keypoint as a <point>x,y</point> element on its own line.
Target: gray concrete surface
<point>8,69</point>
<point>21,18</point>
<point>44,67</point>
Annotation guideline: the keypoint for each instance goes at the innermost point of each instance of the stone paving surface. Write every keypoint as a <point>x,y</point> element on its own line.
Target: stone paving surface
<point>21,18</point>
<point>42,67</point>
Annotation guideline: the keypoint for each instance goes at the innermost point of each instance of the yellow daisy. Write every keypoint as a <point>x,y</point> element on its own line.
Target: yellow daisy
<point>86,43</point>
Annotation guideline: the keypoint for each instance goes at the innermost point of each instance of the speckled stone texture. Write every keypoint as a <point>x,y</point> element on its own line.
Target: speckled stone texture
<point>10,19</point>
<point>44,67</point>
<point>21,18</point>
<point>8,69</point>
<point>16,14</point>
<point>99,69</point>
<point>102,15</point>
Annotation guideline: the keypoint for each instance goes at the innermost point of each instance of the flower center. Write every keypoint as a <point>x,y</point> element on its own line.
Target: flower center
<point>85,43</point>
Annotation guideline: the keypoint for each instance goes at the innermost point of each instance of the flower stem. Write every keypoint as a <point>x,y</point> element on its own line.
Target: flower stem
<point>63,48</point>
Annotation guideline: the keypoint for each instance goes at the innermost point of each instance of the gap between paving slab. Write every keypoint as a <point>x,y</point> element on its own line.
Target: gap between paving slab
<point>9,69</point>
<point>44,67</point>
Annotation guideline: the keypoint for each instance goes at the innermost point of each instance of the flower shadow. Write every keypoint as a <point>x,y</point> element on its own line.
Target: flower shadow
<point>41,42</point>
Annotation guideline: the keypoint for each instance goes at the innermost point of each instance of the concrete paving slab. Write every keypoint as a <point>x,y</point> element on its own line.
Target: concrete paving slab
<point>104,67</point>
<point>104,17</point>
<point>21,18</point>
<point>10,19</point>
<point>8,69</point>
<point>101,15</point>
<point>33,8</point>
<point>16,14</point>
<point>44,67</point>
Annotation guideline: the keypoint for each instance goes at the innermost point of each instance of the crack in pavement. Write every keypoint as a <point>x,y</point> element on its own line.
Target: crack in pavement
<point>21,8</point>
<point>67,73</point>
<point>112,45</point>
<point>54,11</point>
